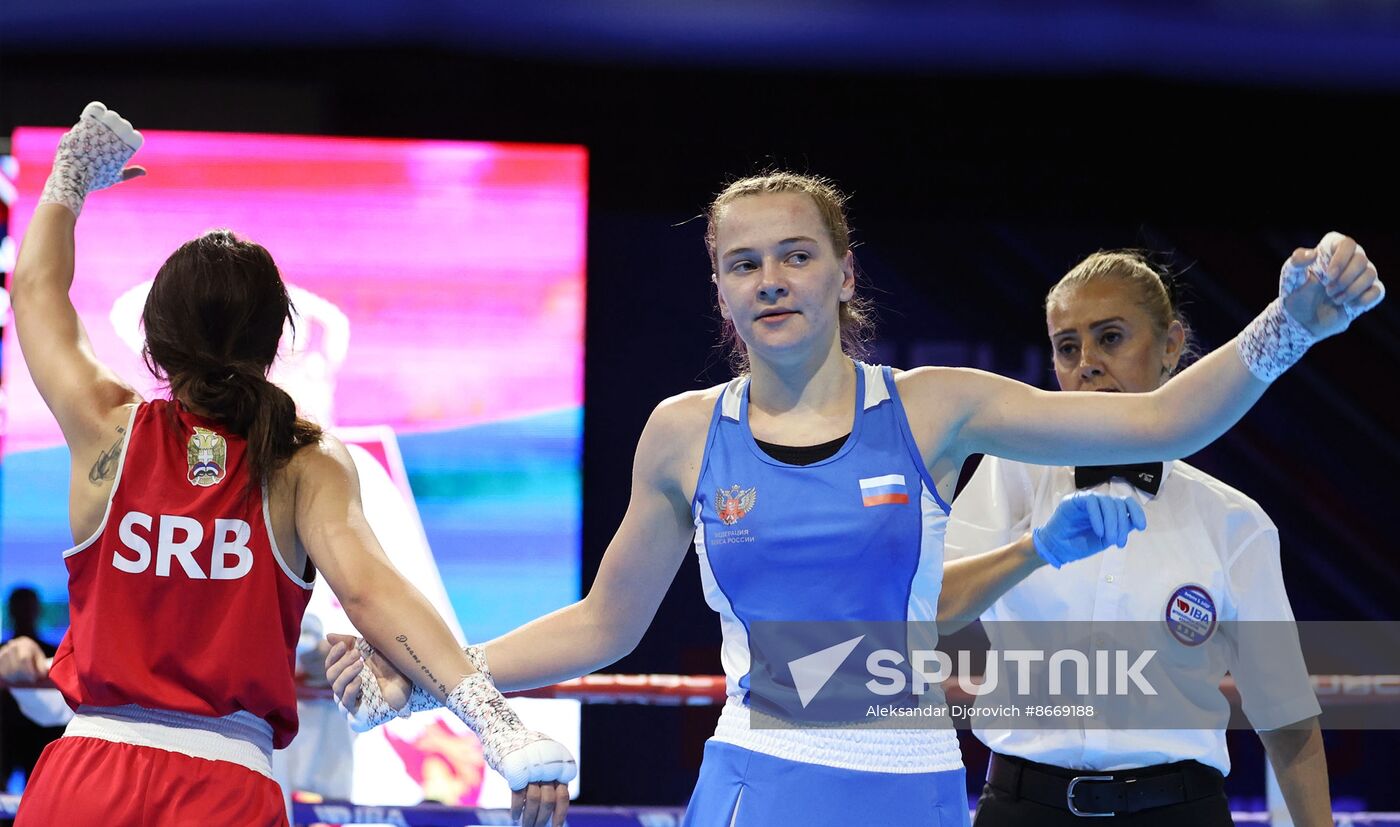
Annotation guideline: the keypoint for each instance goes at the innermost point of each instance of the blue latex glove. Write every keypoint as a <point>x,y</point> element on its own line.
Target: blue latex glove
<point>1086,523</point>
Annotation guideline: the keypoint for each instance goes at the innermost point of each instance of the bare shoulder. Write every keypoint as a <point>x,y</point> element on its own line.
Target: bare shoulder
<point>324,462</point>
<point>685,415</point>
<point>939,395</point>
<point>939,401</point>
<point>940,381</point>
<point>673,443</point>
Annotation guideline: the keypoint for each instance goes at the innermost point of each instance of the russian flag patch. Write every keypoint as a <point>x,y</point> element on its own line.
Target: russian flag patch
<point>886,490</point>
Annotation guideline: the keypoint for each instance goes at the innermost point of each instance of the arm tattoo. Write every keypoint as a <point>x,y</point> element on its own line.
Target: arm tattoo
<point>106,466</point>
<point>423,667</point>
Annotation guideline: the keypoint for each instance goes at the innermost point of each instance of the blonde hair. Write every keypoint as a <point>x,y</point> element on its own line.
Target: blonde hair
<point>1152,284</point>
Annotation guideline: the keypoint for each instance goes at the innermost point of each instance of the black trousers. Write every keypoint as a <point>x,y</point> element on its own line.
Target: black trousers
<point>1004,808</point>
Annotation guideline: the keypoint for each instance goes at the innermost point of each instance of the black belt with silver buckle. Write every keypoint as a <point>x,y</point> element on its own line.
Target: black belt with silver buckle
<point>1092,794</point>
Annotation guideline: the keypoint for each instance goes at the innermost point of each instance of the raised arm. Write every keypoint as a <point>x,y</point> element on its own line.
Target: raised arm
<point>81,392</point>
<point>970,411</point>
<point>1006,418</point>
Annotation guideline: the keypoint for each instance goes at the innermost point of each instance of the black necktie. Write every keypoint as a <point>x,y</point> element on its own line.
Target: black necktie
<point>1147,476</point>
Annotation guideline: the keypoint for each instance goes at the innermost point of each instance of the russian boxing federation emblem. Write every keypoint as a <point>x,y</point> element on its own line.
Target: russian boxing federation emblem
<point>733,504</point>
<point>207,453</point>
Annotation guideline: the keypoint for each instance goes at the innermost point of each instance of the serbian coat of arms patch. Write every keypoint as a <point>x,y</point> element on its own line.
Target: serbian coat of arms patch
<point>207,454</point>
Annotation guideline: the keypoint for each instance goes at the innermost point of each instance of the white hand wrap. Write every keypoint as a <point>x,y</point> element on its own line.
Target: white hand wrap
<point>521,755</point>
<point>372,710</point>
<point>90,157</point>
<point>1294,276</point>
<point>1273,342</point>
<point>420,700</point>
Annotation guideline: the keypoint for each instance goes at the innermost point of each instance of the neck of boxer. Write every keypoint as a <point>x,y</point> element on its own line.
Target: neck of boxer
<point>820,383</point>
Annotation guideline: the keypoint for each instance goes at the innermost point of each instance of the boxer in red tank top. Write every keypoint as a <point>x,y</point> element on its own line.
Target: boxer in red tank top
<point>200,522</point>
<point>182,534</point>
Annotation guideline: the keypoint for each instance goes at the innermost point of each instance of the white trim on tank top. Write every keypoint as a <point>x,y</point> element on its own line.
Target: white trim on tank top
<point>735,656</point>
<point>733,394</point>
<point>272,542</point>
<point>875,391</point>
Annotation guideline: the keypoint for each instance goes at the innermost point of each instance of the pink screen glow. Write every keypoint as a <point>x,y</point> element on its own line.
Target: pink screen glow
<point>440,284</point>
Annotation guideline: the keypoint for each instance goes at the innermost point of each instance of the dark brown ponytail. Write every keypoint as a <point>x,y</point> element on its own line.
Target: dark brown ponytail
<point>213,320</point>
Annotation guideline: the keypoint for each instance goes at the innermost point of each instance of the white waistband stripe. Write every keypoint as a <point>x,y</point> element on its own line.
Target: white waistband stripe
<point>241,738</point>
<point>868,749</point>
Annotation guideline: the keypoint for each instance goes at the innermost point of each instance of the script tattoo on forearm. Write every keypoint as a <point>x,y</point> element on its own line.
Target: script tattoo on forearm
<point>106,466</point>
<point>422,667</point>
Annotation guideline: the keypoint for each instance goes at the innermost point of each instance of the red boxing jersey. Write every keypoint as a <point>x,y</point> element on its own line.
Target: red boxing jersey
<point>180,600</point>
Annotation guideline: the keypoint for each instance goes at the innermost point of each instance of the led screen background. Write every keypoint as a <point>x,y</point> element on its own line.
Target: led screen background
<point>440,289</point>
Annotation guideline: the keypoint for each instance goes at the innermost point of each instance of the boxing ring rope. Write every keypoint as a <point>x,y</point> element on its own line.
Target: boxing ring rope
<point>709,690</point>
<point>645,690</point>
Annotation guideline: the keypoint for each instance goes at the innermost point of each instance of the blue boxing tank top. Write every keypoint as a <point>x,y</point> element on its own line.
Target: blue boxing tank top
<point>856,536</point>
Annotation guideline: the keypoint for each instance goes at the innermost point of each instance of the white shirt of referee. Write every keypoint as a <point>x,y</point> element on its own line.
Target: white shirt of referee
<point>1200,532</point>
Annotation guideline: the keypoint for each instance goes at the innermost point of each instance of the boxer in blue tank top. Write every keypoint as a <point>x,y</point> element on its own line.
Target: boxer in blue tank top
<point>855,533</point>
<point>866,518</point>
